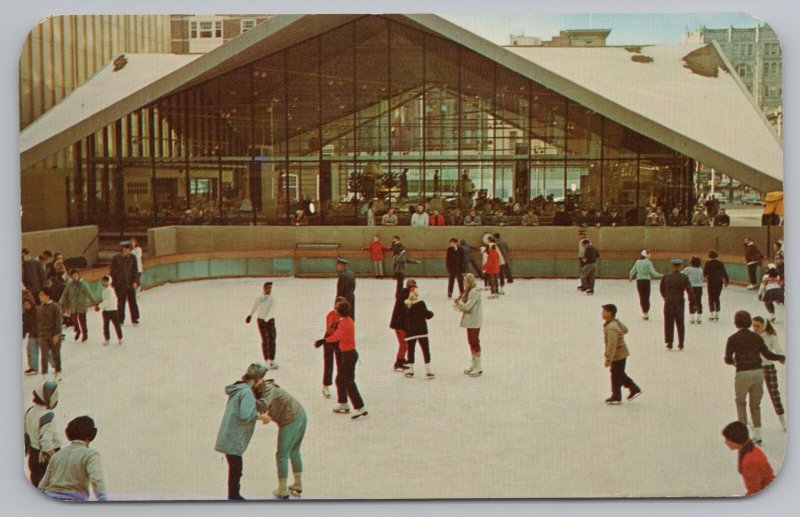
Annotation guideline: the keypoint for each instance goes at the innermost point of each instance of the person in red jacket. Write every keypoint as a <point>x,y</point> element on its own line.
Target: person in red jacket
<point>345,335</point>
<point>492,268</point>
<point>754,467</point>
<point>376,249</point>
<point>436,219</point>
<point>330,350</point>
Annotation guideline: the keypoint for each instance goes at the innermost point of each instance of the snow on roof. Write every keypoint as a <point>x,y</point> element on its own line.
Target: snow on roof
<point>101,91</point>
<point>656,83</point>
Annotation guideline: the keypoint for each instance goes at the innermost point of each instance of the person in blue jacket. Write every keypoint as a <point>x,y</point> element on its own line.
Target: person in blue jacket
<point>239,422</point>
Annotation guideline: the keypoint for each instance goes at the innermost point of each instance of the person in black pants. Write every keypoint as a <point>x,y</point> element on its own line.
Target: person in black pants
<point>346,388</point>
<point>346,285</point>
<point>417,314</point>
<point>672,288</point>
<point>753,257</point>
<point>505,268</point>
<point>123,274</point>
<point>330,351</point>
<point>469,258</point>
<point>716,276</point>
<point>456,267</point>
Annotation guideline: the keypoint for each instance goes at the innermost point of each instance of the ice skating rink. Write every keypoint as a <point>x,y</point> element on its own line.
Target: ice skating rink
<point>534,425</point>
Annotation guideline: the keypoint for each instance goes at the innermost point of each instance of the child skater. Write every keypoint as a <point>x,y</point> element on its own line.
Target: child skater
<point>771,290</point>
<point>695,274</point>
<point>716,277</point>
<point>76,467</point>
<point>330,351</point>
<point>75,300</point>
<point>278,406</point>
<point>469,304</point>
<point>417,314</point>
<point>239,423</point>
<point>767,332</point>
<point>754,467</point>
<point>376,249</point>
<point>108,304</point>
<point>398,323</point>
<point>346,387</point>
<point>616,354</point>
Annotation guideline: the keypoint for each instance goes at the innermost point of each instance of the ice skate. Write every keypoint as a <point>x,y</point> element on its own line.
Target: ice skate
<point>590,292</point>
<point>782,420</point>
<point>119,342</point>
<point>471,366</point>
<point>699,319</point>
<point>751,287</point>
<point>296,488</point>
<point>31,371</point>
<point>635,392</point>
<point>360,413</point>
<point>645,316</point>
<point>326,392</point>
<point>428,373</point>
<point>341,408</point>
<point>757,436</point>
<point>273,365</point>
<point>477,371</point>
<point>613,401</point>
<point>410,372</point>
<point>400,365</point>
<point>281,492</point>
<point>669,347</point>
<point>105,342</point>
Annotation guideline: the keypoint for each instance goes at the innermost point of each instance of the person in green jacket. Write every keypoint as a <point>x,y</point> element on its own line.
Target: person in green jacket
<point>75,301</point>
<point>643,271</point>
<point>239,423</point>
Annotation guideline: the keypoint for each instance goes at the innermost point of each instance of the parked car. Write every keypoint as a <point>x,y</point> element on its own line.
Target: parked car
<point>722,197</point>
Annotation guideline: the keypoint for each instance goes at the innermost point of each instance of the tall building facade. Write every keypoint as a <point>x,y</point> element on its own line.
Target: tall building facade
<point>756,56</point>
<point>61,52</point>
<point>198,34</point>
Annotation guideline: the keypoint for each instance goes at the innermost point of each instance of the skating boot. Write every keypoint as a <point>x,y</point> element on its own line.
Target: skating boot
<point>281,492</point>
<point>635,392</point>
<point>119,342</point>
<point>273,365</point>
<point>757,435</point>
<point>782,419</point>
<point>105,342</point>
<point>428,373</point>
<point>296,488</point>
<point>410,371</point>
<point>400,365</point>
<point>691,319</point>
<point>699,319</point>
<point>341,408</point>
<point>326,392</point>
<point>613,401</point>
<point>477,371</point>
<point>360,413</point>
<point>646,316</point>
<point>471,367</point>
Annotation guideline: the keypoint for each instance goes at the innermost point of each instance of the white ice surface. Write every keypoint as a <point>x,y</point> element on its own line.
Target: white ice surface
<point>534,425</point>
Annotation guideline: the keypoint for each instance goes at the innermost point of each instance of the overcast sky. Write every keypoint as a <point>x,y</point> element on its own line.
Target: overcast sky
<point>626,29</point>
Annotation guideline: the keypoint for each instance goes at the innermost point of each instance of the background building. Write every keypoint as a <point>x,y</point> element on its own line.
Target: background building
<point>756,56</point>
<point>567,38</point>
<point>197,34</point>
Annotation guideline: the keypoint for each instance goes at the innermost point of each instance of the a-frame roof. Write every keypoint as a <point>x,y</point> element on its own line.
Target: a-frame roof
<point>701,110</point>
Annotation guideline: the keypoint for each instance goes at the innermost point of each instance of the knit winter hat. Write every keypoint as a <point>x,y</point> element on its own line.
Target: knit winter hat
<point>255,371</point>
<point>47,393</point>
<point>736,432</point>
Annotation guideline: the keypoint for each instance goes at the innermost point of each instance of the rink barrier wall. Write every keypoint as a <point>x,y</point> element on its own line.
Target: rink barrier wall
<point>72,242</point>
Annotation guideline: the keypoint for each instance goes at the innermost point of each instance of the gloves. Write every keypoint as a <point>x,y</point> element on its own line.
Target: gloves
<point>96,308</point>
<point>608,363</point>
<point>318,343</point>
<point>248,319</point>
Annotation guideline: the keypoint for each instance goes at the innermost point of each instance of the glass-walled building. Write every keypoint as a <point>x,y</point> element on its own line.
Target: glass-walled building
<point>372,108</point>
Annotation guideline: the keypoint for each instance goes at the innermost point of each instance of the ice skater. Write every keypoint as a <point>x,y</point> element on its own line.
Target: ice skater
<point>75,301</point>
<point>456,267</point>
<point>643,272</point>
<point>716,277</point>
<point>41,437</point>
<point>76,467</point>
<point>399,261</point>
<point>48,332</point>
<point>124,273</point>
<point>491,268</point>
<point>581,250</point>
<point>29,333</point>
<point>771,290</point>
<point>505,251</point>
<point>469,304</point>
<point>346,387</point>
<point>346,285</point>
<point>277,405</point>
<point>264,305</point>
<point>239,423</point>
<point>753,258</point>
<point>330,351</point>
<point>695,275</point>
<point>417,314</point>
<point>398,323</point>
<point>589,266</point>
<point>376,249</point>
<point>108,304</point>
<point>767,332</point>
<point>753,465</point>
<point>744,350</point>
<point>616,354</point>
<point>672,287</point>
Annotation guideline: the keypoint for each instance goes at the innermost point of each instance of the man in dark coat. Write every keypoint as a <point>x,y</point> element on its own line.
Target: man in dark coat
<point>456,267</point>
<point>33,274</point>
<point>672,288</point>
<point>505,269</point>
<point>346,285</point>
<point>124,272</point>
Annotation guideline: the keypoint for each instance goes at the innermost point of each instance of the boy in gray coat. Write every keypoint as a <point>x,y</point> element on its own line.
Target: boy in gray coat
<point>616,355</point>
<point>239,422</point>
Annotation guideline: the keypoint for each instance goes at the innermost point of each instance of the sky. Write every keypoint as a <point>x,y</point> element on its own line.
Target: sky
<point>626,29</point>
